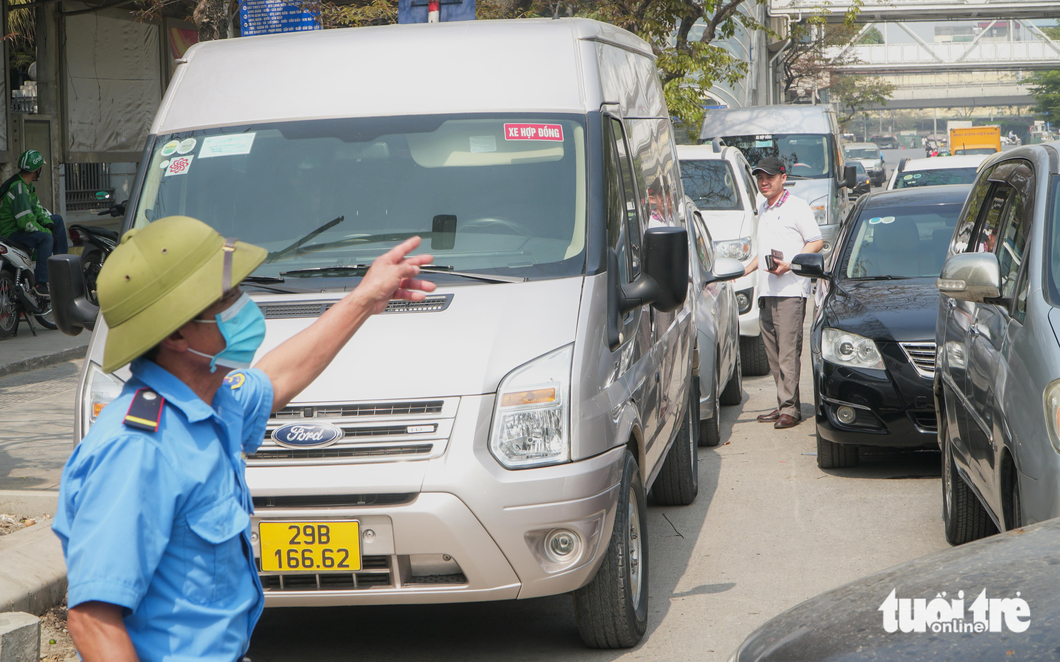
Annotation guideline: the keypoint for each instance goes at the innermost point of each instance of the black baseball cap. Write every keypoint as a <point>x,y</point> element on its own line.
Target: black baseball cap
<point>770,165</point>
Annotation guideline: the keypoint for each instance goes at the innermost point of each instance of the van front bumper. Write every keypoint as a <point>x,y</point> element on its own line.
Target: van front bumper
<point>480,540</point>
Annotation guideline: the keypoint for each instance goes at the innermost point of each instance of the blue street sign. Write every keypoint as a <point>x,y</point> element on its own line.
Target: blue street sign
<point>415,11</point>
<point>274,16</point>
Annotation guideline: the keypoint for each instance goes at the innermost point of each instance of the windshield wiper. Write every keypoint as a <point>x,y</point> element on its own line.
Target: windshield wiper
<point>882,278</point>
<point>280,254</point>
<point>263,279</point>
<point>344,269</point>
<point>489,278</point>
<point>361,269</point>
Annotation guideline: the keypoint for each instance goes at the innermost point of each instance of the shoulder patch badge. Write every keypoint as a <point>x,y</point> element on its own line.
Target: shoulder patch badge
<point>235,380</point>
<point>145,412</point>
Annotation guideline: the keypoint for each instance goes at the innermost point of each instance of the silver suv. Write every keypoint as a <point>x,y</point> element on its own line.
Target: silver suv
<point>997,384</point>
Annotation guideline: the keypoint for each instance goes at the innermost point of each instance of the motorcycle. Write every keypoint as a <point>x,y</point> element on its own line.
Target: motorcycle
<point>18,298</point>
<point>96,244</point>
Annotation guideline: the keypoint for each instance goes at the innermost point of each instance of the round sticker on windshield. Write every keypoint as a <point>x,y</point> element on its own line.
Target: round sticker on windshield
<point>170,148</point>
<point>163,165</point>
<point>907,177</point>
<point>885,220</point>
<point>917,176</point>
<point>186,146</point>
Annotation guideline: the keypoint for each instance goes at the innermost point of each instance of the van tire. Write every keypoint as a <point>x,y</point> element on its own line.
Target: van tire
<point>963,515</point>
<point>753,356</point>
<point>678,481</point>
<point>835,456</point>
<point>612,609</point>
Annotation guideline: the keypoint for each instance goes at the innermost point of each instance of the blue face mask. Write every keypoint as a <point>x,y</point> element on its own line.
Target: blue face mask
<point>243,327</point>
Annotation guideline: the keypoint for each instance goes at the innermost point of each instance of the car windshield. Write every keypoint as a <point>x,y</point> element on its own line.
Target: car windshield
<point>975,150</point>
<point>710,184</point>
<point>859,168</point>
<point>940,177</point>
<point>504,196</point>
<point>805,155</point>
<point>900,242</point>
<point>870,154</point>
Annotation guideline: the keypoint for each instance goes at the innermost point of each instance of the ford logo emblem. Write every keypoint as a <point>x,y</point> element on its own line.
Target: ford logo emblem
<point>306,435</point>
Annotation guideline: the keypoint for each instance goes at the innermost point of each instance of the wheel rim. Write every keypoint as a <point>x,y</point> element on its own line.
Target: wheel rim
<point>634,546</point>
<point>8,311</point>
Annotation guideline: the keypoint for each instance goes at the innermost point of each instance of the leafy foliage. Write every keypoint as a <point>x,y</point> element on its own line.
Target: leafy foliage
<point>852,93</point>
<point>1045,88</point>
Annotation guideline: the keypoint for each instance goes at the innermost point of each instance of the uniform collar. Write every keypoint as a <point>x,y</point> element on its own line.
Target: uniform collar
<point>783,198</point>
<point>176,392</point>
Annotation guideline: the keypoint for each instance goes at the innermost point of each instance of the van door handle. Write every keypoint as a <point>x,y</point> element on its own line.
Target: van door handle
<point>628,318</point>
<point>974,330</point>
<point>952,303</point>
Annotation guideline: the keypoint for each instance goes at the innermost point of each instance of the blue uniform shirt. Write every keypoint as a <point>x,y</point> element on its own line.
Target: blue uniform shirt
<point>159,522</point>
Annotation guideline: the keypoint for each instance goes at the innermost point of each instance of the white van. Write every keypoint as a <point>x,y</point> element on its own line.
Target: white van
<point>497,440</point>
<point>806,138</point>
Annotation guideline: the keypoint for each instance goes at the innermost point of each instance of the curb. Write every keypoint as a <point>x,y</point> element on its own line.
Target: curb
<point>35,362</point>
<point>33,579</point>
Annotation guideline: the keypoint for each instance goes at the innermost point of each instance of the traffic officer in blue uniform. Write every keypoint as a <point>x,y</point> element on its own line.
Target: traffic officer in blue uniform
<point>154,511</point>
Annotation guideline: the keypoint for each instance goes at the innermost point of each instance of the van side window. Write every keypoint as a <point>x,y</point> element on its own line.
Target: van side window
<point>628,197</point>
<point>655,164</point>
<point>752,189</point>
<point>962,235</point>
<point>704,244</point>
<point>616,205</point>
<point>1011,243</point>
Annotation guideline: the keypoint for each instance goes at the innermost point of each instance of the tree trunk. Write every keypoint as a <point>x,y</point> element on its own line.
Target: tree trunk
<point>212,19</point>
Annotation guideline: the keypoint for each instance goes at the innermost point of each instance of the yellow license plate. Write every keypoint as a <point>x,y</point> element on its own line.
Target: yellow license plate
<point>310,546</point>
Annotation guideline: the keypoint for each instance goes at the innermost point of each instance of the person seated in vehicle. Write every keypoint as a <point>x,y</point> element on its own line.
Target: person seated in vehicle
<point>25,220</point>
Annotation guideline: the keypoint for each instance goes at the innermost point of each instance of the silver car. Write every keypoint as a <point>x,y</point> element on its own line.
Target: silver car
<point>997,384</point>
<point>717,328</point>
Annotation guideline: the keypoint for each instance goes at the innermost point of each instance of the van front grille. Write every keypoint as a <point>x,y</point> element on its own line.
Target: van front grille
<point>375,572</point>
<point>301,309</point>
<point>410,408</point>
<point>335,452</point>
<point>333,500</point>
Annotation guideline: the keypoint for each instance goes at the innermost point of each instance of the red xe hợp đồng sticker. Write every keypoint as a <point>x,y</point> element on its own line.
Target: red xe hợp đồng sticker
<point>533,132</point>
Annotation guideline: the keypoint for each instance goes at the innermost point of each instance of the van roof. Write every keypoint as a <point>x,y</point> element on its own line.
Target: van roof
<point>526,65</point>
<point>766,120</point>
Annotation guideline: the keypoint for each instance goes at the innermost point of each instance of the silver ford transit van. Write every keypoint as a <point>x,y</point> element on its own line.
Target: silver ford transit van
<point>497,440</point>
<point>806,138</point>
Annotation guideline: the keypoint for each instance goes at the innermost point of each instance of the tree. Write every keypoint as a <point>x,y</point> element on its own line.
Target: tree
<point>852,93</point>
<point>1045,88</point>
<point>871,36</point>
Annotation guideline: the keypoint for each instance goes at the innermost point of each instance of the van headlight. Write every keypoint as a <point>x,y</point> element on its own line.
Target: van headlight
<point>820,210</point>
<point>850,349</point>
<point>736,249</point>
<point>98,391</point>
<point>531,419</point>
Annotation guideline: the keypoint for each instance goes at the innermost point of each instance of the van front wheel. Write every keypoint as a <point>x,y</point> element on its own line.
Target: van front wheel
<point>612,609</point>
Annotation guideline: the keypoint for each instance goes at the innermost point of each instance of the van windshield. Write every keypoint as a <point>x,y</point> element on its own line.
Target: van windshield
<point>868,154</point>
<point>710,184</point>
<point>501,196</point>
<point>805,155</point>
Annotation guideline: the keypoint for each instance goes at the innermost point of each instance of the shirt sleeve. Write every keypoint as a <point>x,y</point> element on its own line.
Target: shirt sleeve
<point>117,502</point>
<point>807,225</point>
<point>252,389</point>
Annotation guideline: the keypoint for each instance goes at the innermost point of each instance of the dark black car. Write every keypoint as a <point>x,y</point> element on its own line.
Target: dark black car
<point>873,341</point>
<point>994,599</point>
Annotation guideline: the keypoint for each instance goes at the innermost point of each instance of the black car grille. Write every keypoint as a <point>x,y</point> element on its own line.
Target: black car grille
<point>922,356</point>
<point>925,420</point>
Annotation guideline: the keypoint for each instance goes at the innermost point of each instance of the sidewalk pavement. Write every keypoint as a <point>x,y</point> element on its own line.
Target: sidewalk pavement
<point>24,352</point>
<point>32,570</point>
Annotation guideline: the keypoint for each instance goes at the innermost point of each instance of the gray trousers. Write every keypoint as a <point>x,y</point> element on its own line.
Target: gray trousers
<point>781,319</point>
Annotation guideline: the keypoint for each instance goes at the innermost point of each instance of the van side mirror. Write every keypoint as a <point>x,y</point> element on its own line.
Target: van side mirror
<point>850,176</point>
<point>974,277</point>
<point>663,282</point>
<point>810,265</point>
<point>71,309</point>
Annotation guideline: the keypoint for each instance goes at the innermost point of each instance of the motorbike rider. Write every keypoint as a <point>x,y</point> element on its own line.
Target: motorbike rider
<point>24,219</point>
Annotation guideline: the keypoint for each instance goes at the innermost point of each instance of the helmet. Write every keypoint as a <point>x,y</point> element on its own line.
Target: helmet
<point>160,278</point>
<point>30,161</point>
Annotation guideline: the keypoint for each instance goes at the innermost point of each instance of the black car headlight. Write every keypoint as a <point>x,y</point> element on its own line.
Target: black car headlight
<point>850,349</point>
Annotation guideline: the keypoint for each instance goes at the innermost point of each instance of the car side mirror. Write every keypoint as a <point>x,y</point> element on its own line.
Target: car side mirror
<point>71,309</point>
<point>850,176</point>
<point>974,277</point>
<point>663,282</point>
<point>809,265</point>
<point>725,268</point>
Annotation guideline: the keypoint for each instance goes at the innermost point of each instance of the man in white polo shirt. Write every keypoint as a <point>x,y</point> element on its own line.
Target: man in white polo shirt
<point>786,227</point>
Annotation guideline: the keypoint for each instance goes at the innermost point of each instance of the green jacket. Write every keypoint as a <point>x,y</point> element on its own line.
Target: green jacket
<point>20,209</point>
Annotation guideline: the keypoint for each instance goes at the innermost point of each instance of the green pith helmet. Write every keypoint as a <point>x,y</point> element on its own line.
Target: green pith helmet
<point>160,278</point>
<point>30,161</point>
